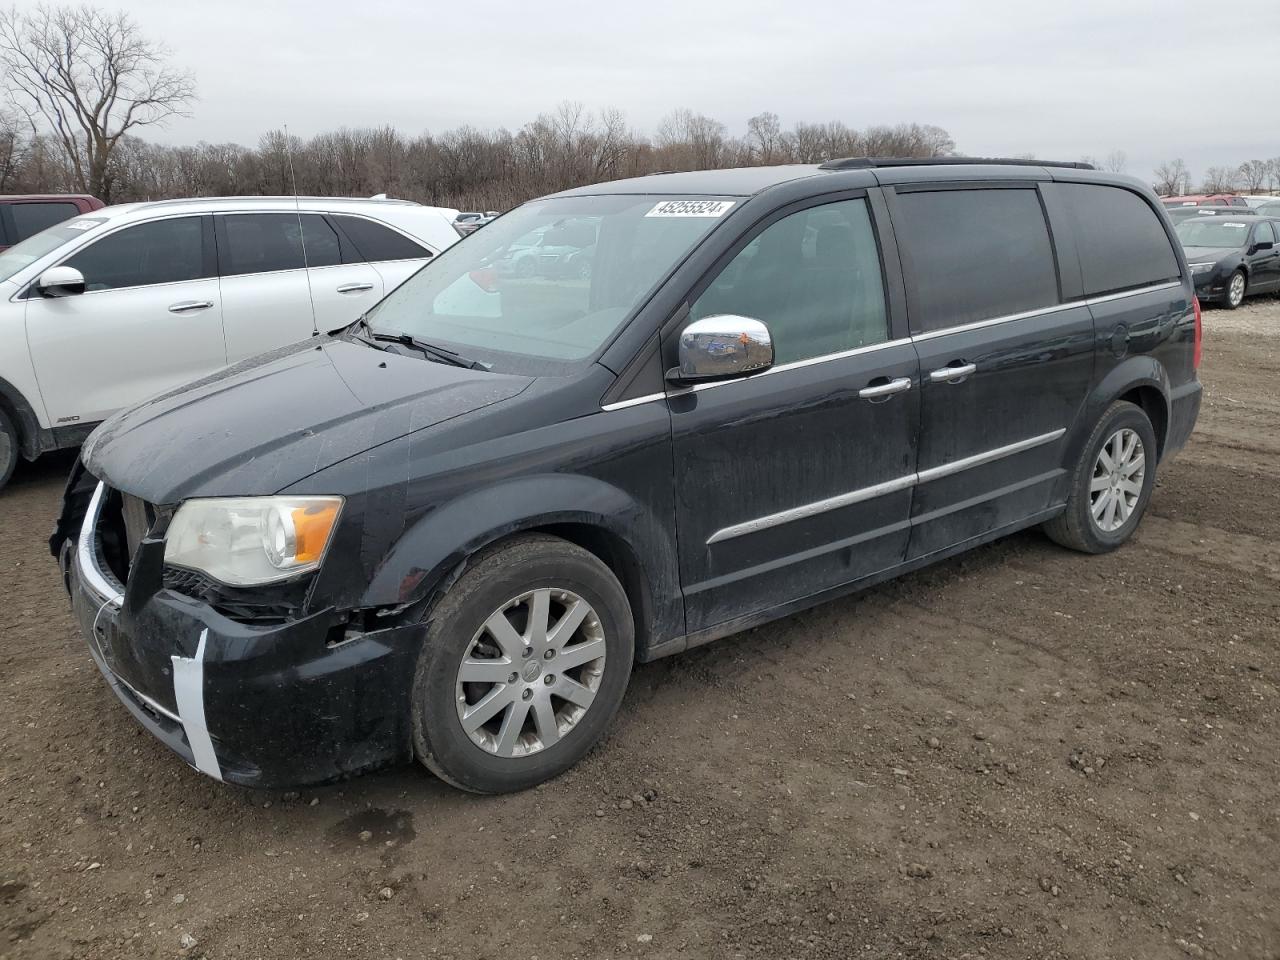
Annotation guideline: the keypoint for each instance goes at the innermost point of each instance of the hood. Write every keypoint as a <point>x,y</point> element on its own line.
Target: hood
<point>1205,254</point>
<point>260,425</point>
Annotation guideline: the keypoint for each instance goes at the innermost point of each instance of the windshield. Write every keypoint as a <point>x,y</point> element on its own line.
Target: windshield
<point>1213,232</point>
<point>46,241</point>
<point>547,285</point>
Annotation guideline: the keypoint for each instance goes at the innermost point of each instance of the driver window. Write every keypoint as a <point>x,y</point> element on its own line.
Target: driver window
<point>162,251</point>
<point>814,277</point>
<point>1265,234</point>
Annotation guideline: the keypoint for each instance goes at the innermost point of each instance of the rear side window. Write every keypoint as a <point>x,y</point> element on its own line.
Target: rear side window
<point>376,242</point>
<point>266,242</point>
<point>30,218</point>
<point>1121,242</point>
<point>163,251</point>
<point>975,255</point>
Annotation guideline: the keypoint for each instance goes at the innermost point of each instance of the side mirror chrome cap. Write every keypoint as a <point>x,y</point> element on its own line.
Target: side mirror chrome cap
<point>721,346</point>
<point>61,282</point>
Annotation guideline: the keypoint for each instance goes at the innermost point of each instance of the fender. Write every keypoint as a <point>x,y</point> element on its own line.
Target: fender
<point>1130,373</point>
<point>428,556</point>
<point>33,439</point>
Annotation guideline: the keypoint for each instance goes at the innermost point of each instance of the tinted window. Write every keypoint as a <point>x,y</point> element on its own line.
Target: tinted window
<point>30,218</point>
<point>975,255</point>
<point>1120,239</point>
<point>1265,234</point>
<point>163,251</point>
<point>376,242</point>
<point>813,277</point>
<point>263,242</point>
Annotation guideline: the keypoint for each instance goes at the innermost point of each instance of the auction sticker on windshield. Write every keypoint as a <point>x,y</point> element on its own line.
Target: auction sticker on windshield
<point>690,208</point>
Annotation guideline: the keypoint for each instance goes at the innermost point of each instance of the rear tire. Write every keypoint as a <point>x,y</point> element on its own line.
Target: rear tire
<point>536,637</point>
<point>1111,483</point>
<point>1234,294</point>
<point>8,448</point>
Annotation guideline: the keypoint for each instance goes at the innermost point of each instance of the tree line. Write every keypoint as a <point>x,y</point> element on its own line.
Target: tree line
<point>1172,178</point>
<point>468,167</point>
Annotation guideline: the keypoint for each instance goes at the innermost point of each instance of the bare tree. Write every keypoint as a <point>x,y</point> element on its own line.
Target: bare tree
<point>1253,174</point>
<point>1273,173</point>
<point>1219,180</point>
<point>1116,161</point>
<point>92,77</point>
<point>764,137</point>
<point>1172,178</point>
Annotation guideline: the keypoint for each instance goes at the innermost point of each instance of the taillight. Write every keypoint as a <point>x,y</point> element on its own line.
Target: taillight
<point>1195,359</point>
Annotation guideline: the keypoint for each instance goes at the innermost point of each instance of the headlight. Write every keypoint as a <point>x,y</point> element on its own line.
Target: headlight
<point>252,540</point>
<point>1198,268</point>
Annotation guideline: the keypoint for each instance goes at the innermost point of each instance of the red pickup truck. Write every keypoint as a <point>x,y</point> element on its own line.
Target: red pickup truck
<point>22,216</point>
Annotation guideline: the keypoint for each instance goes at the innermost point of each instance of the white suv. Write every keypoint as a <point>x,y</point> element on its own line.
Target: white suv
<point>104,310</point>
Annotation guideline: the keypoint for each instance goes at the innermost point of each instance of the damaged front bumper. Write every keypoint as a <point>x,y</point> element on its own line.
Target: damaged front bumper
<point>286,704</point>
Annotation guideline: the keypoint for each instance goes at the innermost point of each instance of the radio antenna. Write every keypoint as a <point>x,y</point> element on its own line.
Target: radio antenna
<point>302,236</point>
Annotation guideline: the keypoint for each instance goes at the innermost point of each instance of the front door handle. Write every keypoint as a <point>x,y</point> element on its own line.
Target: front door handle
<point>189,306</point>
<point>952,374</point>
<point>885,389</point>
<point>355,287</point>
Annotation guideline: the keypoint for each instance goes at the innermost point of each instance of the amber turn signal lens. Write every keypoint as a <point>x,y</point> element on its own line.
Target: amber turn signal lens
<point>312,525</point>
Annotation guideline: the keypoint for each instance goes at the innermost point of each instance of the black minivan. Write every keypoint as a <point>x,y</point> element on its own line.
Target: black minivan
<point>448,530</point>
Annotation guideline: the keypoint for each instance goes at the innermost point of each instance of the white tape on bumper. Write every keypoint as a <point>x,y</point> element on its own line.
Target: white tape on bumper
<point>188,691</point>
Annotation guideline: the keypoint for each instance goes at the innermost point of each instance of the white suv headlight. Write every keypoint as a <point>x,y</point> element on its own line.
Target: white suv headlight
<point>245,541</point>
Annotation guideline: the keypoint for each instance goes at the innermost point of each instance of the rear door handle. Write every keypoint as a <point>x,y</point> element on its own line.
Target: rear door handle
<point>188,306</point>
<point>355,287</point>
<point>900,385</point>
<point>952,374</point>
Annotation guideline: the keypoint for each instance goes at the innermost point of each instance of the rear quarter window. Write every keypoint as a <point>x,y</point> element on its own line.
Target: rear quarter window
<point>30,218</point>
<point>974,255</point>
<point>1121,241</point>
<point>377,243</point>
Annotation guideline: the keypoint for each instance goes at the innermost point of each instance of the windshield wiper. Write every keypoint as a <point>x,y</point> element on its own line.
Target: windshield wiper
<point>438,354</point>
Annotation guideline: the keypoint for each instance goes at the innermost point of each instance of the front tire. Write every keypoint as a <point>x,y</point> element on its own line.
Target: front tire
<point>1233,295</point>
<point>1111,484</point>
<point>525,664</point>
<point>8,448</point>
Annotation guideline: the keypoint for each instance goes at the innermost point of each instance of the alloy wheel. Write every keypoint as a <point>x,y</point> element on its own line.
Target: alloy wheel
<point>1235,292</point>
<point>530,673</point>
<point>1118,475</point>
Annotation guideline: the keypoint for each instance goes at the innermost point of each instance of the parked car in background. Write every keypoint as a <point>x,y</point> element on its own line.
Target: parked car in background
<point>449,530</point>
<point>1260,200</point>
<point>1269,209</point>
<point>1177,214</point>
<point>105,309</point>
<point>23,216</point>
<point>466,223</point>
<point>1205,200</point>
<point>1231,257</point>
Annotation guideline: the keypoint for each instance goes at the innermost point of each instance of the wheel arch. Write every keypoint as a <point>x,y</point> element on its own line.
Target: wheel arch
<point>32,439</point>
<point>592,514</point>
<point>1141,380</point>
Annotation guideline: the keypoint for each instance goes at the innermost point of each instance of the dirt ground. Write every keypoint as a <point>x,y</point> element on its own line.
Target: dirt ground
<point>1024,752</point>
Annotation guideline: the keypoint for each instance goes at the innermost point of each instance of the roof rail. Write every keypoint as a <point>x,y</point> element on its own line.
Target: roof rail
<point>180,200</point>
<point>862,163</point>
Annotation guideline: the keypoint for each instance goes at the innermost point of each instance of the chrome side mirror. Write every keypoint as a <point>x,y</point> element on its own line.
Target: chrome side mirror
<point>61,282</point>
<point>722,346</point>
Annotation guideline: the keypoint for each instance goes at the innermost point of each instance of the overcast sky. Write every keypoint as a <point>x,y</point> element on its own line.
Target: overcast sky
<point>1056,79</point>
